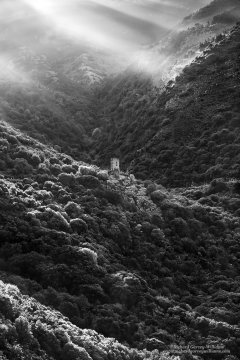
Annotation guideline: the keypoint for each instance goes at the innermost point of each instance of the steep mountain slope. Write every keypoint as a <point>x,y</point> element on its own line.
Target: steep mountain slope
<point>213,10</point>
<point>97,267</point>
<point>166,59</point>
<point>50,116</point>
<point>24,26</point>
<point>152,268</point>
<point>30,331</point>
<point>48,78</point>
<point>188,133</point>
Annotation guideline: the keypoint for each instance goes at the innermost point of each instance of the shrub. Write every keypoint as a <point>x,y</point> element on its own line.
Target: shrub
<point>6,307</point>
<point>43,195</point>
<point>73,209</point>
<point>89,181</point>
<point>66,160</point>
<point>217,186</point>
<point>68,169</point>
<point>48,185</point>
<point>218,119</point>
<point>157,220</point>
<point>78,225</point>
<point>96,133</point>
<point>103,175</point>
<point>180,227</point>
<point>23,329</point>
<point>55,220</point>
<point>158,235</point>
<point>4,145</point>
<point>47,339</point>
<point>147,228</point>
<point>189,245</point>
<point>55,169</point>
<point>12,139</point>
<point>34,160</point>
<point>2,165</point>
<point>66,179</point>
<point>236,187</point>
<point>152,344</point>
<point>22,167</point>
<point>90,254</point>
<point>158,196</point>
<point>111,196</point>
<point>53,160</point>
<point>150,187</point>
<point>75,352</point>
<point>87,170</point>
<point>69,309</point>
<point>43,169</point>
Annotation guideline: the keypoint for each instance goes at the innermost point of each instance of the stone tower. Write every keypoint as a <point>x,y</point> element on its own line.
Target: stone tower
<point>115,164</point>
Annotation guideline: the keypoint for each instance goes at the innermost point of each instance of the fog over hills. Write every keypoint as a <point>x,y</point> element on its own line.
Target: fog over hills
<point>117,27</point>
<point>55,54</point>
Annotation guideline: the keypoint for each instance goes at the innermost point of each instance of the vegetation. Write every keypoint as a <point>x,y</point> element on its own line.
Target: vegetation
<point>190,132</point>
<point>30,330</point>
<point>48,114</point>
<point>99,267</point>
<point>46,90</point>
<point>129,260</point>
<point>215,8</point>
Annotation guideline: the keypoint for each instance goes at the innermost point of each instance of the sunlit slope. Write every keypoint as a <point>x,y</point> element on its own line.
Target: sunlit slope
<point>30,330</point>
<point>188,133</point>
<point>219,10</point>
<point>28,35</point>
<point>166,59</point>
<point>79,31</point>
<point>48,75</point>
<point>85,25</point>
<point>128,259</point>
<point>46,79</point>
<point>54,55</point>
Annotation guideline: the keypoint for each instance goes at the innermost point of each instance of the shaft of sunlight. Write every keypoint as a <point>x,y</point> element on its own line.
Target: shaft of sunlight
<point>11,72</point>
<point>83,25</point>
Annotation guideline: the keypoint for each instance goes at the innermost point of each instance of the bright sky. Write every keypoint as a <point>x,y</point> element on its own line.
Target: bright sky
<point>117,26</point>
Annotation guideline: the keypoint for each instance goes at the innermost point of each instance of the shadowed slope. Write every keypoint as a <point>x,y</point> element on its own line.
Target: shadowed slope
<point>190,132</point>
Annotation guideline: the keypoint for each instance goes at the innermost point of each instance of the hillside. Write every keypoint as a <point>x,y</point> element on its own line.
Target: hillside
<point>164,60</point>
<point>214,10</point>
<point>154,269</point>
<point>188,133</point>
<point>48,78</point>
<point>30,330</point>
<point>143,265</point>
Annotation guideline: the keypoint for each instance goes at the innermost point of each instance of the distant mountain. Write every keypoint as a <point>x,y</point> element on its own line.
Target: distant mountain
<point>181,46</point>
<point>46,80</point>
<point>213,10</point>
<point>189,132</point>
<point>49,79</point>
